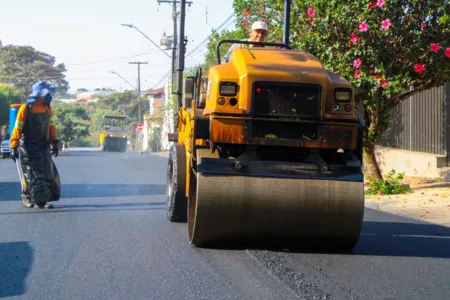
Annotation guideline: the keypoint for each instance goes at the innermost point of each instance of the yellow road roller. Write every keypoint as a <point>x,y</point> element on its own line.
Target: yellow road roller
<point>268,149</point>
<point>114,136</point>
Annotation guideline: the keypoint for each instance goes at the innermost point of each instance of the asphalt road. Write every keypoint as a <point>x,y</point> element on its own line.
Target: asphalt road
<point>108,238</point>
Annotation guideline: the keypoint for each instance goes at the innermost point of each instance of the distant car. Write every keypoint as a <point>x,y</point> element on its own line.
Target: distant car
<point>5,150</point>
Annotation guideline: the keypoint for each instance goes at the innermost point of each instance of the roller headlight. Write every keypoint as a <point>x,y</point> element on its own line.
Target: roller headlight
<point>342,95</point>
<point>228,89</point>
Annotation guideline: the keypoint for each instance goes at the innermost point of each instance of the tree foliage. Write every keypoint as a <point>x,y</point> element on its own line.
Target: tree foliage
<point>125,103</point>
<point>8,95</point>
<point>22,66</point>
<point>72,122</point>
<point>389,50</point>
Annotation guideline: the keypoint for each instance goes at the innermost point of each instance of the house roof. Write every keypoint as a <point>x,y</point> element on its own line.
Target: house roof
<point>156,91</point>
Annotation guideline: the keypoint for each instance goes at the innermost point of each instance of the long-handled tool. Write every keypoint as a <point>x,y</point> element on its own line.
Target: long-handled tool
<point>20,172</point>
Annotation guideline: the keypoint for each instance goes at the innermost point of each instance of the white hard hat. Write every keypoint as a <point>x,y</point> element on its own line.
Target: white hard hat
<point>260,25</point>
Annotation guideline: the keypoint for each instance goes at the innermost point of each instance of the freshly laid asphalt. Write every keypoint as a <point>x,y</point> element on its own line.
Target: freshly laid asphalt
<point>109,238</point>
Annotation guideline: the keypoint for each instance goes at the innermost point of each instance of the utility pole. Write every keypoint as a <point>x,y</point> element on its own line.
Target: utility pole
<point>174,3</point>
<point>181,49</point>
<point>181,53</point>
<point>139,88</point>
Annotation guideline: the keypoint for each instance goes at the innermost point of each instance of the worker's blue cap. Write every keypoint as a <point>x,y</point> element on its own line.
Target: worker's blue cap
<point>41,88</point>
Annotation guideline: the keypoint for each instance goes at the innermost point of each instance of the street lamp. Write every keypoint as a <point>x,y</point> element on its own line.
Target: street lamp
<point>132,26</point>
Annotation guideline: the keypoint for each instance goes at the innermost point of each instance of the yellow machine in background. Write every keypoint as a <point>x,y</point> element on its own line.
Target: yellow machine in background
<point>268,149</point>
<point>114,136</point>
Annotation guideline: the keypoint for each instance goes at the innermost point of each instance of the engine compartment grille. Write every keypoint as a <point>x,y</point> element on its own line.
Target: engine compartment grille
<point>282,99</point>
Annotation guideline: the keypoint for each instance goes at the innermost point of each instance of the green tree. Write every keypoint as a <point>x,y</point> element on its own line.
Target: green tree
<point>216,37</point>
<point>97,118</point>
<point>389,50</point>
<point>72,122</point>
<point>8,95</point>
<point>22,66</point>
<point>125,103</point>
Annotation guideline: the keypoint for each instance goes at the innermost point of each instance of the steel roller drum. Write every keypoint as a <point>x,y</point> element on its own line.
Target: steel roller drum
<point>285,210</point>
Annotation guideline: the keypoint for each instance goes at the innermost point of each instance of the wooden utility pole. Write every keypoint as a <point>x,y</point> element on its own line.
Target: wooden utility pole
<point>174,3</point>
<point>139,88</point>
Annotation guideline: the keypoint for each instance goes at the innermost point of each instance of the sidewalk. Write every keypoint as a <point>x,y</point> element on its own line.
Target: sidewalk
<point>160,154</point>
<point>429,201</point>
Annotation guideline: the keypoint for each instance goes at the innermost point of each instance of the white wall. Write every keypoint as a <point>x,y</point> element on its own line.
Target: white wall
<point>145,135</point>
<point>168,123</point>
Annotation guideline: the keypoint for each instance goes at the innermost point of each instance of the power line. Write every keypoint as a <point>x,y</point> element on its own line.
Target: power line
<point>198,46</point>
<point>113,59</point>
<point>209,36</point>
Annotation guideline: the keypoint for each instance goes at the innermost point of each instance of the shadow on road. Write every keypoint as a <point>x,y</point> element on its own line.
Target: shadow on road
<point>85,153</point>
<point>118,207</point>
<point>16,260</point>
<point>11,190</point>
<point>110,190</point>
<point>377,239</point>
<point>404,239</point>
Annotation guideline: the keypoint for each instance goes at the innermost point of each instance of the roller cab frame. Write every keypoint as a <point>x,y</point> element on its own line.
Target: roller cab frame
<point>268,148</point>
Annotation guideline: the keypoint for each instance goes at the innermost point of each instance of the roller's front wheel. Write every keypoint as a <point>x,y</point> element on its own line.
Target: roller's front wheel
<point>176,185</point>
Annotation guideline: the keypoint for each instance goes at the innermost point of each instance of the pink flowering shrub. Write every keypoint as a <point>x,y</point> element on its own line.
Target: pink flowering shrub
<point>387,49</point>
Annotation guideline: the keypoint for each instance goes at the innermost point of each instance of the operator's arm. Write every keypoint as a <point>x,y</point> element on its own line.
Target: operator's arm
<point>18,127</point>
<point>52,126</point>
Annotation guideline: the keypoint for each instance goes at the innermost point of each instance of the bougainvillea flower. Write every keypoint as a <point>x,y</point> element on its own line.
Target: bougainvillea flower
<point>363,27</point>
<point>423,4</point>
<point>372,4</point>
<point>423,25</point>
<point>388,41</point>
<point>245,24</point>
<point>380,3</point>
<point>447,52</point>
<point>354,38</point>
<point>383,83</point>
<point>358,74</point>
<point>435,47</point>
<point>309,20</point>
<point>245,12</point>
<point>378,76</point>
<point>311,12</point>
<point>385,24</point>
<point>357,63</point>
<point>419,68</point>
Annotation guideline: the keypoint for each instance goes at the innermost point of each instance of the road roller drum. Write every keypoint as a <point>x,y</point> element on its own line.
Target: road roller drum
<point>291,211</point>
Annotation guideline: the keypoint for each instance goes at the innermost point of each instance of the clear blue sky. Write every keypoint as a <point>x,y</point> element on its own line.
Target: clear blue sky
<point>86,35</point>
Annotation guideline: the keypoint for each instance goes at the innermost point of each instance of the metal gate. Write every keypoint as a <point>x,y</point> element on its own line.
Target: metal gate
<point>422,123</point>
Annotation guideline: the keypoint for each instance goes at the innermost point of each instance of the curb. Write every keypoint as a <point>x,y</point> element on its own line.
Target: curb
<point>372,204</point>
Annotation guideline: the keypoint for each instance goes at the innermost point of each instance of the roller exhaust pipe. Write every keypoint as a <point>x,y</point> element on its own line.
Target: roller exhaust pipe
<point>287,21</point>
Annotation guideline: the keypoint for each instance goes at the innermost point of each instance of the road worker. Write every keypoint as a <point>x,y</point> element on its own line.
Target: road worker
<point>32,142</point>
<point>258,33</point>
